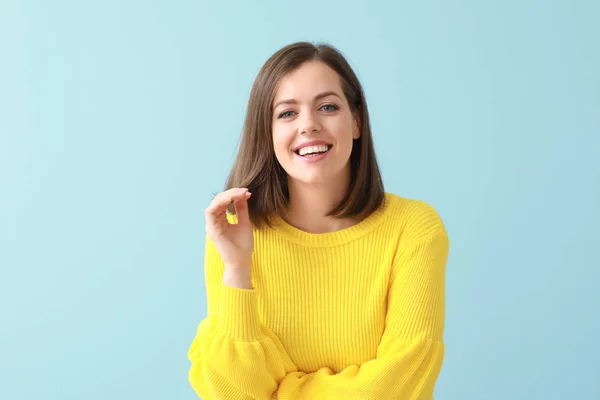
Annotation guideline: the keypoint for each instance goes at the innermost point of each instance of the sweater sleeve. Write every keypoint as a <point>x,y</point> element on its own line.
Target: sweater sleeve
<point>233,356</point>
<point>409,356</point>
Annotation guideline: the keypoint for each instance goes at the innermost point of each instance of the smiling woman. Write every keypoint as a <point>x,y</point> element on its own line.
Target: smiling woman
<point>306,93</point>
<point>320,284</point>
<point>322,127</point>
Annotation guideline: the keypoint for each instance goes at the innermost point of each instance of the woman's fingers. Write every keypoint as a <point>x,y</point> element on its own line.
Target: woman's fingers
<point>216,212</point>
<point>222,200</point>
<point>241,208</point>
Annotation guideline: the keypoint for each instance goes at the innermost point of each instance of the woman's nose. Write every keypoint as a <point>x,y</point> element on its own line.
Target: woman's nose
<point>309,123</point>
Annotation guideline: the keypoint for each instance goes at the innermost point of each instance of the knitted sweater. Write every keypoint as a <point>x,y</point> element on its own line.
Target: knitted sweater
<point>352,314</point>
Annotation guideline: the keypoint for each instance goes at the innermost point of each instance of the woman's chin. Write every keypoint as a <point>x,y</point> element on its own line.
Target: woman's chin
<point>312,179</point>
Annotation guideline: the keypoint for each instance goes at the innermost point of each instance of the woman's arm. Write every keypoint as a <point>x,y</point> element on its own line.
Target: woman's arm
<point>410,354</point>
<point>233,355</point>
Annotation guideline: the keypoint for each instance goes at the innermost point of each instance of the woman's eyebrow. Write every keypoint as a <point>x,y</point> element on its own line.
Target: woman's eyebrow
<point>317,97</point>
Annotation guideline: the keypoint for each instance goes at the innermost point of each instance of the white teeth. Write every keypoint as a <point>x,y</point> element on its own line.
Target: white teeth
<point>322,148</point>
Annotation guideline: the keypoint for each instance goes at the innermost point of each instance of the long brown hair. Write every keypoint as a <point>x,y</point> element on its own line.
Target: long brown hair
<point>256,166</point>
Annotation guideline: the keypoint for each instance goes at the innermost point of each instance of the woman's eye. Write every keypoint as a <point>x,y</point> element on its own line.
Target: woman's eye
<point>285,114</point>
<point>330,107</point>
<point>326,107</point>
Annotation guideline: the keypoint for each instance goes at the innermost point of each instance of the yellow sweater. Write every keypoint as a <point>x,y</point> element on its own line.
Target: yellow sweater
<point>353,314</point>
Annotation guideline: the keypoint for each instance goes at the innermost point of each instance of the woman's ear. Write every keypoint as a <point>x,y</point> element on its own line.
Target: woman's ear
<point>356,128</point>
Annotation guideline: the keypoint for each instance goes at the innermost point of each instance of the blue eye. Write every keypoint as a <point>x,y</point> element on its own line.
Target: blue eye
<point>285,114</point>
<point>332,107</point>
<point>326,107</point>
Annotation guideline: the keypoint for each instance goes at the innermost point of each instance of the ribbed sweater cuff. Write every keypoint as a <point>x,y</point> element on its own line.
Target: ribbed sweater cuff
<point>238,315</point>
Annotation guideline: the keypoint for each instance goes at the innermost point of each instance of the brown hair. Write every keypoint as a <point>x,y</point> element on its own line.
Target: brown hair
<point>256,166</point>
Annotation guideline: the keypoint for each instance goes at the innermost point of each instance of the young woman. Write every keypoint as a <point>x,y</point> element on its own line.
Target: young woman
<point>320,284</point>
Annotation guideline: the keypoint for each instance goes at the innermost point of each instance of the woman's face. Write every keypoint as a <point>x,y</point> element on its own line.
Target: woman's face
<point>310,109</point>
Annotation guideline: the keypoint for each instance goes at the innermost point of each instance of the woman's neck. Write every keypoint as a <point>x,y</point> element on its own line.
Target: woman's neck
<point>310,203</point>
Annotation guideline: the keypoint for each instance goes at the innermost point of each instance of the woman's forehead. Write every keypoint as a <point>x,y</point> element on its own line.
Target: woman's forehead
<point>307,87</point>
<point>306,82</point>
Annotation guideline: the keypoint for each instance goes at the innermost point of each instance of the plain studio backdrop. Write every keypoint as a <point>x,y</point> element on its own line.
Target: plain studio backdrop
<point>119,120</point>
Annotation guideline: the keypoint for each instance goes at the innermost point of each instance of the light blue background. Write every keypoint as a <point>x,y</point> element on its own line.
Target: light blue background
<point>119,119</point>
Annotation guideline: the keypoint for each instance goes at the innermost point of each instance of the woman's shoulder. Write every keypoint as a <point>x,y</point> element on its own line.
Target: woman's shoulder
<point>413,217</point>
